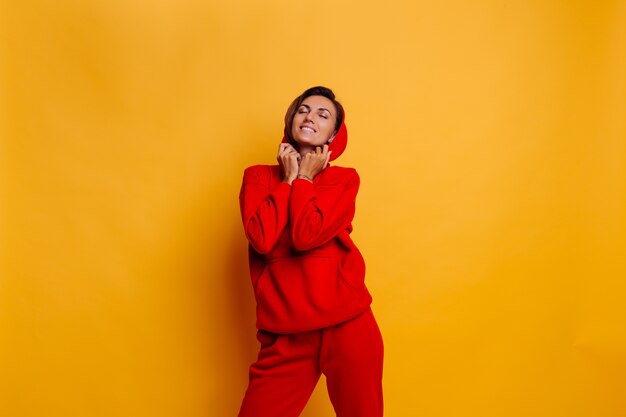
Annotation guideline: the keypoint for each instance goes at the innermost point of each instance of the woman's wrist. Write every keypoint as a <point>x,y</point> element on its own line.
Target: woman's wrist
<point>306,177</point>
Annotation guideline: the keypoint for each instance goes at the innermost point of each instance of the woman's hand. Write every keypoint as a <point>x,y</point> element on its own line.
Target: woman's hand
<point>314,162</point>
<point>288,159</point>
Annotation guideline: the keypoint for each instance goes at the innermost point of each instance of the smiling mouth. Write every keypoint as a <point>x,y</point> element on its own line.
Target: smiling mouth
<point>307,129</point>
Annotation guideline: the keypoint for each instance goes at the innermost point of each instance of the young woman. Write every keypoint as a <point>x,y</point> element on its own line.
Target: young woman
<point>313,309</point>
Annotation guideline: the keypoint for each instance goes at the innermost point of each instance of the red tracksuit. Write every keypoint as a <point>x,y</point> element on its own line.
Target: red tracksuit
<point>313,308</point>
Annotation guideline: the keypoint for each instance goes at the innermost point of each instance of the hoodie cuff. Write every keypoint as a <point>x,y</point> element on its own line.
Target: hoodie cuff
<point>283,188</point>
<point>301,183</point>
<point>302,191</point>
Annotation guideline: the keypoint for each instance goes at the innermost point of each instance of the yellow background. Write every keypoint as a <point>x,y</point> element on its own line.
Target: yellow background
<point>490,138</point>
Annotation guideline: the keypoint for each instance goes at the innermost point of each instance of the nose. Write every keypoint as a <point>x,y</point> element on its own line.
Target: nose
<point>308,116</point>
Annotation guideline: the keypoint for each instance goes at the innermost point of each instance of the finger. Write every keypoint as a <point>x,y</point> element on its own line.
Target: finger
<point>325,149</point>
<point>282,151</point>
<point>327,159</point>
<point>318,150</point>
<point>290,150</point>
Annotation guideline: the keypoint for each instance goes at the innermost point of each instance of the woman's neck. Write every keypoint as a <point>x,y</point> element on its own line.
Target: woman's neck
<point>303,150</point>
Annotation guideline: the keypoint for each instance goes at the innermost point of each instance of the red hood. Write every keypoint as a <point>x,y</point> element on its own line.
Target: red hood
<point>339,142</point>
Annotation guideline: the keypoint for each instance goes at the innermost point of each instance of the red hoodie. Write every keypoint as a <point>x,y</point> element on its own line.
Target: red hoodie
<point>306,272</point>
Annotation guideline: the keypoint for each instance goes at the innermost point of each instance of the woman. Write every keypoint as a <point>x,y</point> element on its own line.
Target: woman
<point>313,309</point>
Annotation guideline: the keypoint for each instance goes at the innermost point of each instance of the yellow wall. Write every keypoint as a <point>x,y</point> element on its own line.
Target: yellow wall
<point>491,141</point>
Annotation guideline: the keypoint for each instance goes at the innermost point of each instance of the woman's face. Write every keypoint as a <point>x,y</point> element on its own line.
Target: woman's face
<point>314,121</point>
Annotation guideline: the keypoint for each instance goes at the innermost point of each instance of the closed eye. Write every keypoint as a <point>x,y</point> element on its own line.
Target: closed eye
<point>324,113</point>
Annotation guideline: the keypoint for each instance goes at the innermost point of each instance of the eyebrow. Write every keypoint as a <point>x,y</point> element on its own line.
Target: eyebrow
<point>319,108</point>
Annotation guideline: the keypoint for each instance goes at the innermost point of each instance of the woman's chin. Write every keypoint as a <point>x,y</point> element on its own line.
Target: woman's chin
<point>308,144</point>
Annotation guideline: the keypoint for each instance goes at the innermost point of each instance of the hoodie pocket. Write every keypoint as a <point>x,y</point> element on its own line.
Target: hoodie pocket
<point>298,289</point>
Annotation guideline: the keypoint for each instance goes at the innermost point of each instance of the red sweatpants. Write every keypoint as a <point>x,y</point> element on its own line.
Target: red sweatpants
<point>288,367</point>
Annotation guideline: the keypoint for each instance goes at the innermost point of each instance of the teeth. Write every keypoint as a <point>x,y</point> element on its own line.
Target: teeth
<point>307,128</point>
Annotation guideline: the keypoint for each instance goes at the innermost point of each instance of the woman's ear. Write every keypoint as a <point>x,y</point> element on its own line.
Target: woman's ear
<point>331,138</point>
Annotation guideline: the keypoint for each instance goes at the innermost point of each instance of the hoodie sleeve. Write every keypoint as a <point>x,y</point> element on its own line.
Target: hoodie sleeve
<point>264,212</point>
<point>317,217</point>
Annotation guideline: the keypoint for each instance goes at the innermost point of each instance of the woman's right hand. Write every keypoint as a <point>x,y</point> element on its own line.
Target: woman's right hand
<point>288,159</point>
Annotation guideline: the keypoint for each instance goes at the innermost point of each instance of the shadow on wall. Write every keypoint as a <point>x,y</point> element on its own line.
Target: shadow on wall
<point>241,309</point>
<point>232,315</point>
<point>235,345</point>
<point>219,284</point>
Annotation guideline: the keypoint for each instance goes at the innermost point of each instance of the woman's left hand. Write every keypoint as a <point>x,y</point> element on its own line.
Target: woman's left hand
<point>314,162</point>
